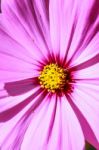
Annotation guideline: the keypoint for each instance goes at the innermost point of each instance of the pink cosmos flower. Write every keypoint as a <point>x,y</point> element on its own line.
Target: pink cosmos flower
<point>49,74</point>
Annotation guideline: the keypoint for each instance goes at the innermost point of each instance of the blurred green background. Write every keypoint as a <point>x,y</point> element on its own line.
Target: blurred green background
<point>89,147</point>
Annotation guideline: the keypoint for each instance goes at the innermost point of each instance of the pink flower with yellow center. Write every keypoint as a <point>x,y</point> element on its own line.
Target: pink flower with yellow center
<point>49,74</point>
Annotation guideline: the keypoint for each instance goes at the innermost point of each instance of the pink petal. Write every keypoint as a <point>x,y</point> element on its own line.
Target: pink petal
<point>85,72</point>
<point>6,103</point>
<point>15,129</point>
<point>54,15</point>
<point>13,123</point>
<point>3,92</point>
<point>18,130</point>
<point>71,135</point>
<point>9,110</point>
<point>45,129</point>
<point>86,27</point>
<point>7,127</point>
<point>55,128</point>
<point>27,28</point>
<point>91,50</point>
<point>20,87</point>
<point>39,129</point>
<point>61,21</point>
<point>42,13</point>
<point>15,60</point>
<point>67,23</point>
<point>86,99</point>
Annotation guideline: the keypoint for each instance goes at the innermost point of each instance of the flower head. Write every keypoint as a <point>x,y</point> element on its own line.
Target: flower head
<point>49,74</point>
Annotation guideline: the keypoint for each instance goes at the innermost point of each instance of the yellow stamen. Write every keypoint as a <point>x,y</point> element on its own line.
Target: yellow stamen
<point>52,78</point>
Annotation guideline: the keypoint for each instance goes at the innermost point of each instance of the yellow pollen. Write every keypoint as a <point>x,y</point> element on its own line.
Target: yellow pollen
<point>52,78</point>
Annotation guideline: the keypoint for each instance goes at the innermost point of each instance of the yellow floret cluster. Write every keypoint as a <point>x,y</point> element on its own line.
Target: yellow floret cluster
<point>52,77</point>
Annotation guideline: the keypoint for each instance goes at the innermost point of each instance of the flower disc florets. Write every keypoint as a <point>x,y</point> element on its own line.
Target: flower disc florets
<point>53,77</point>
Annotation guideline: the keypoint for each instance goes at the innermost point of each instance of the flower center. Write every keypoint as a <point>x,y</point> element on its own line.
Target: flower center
<point>53,77</point>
